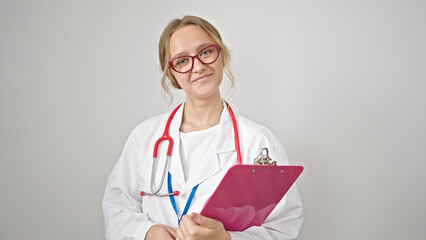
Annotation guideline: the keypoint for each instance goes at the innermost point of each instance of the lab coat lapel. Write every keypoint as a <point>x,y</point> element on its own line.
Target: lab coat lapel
<point>207,166</point>
<point>225,139</point>
<point>210,164</point>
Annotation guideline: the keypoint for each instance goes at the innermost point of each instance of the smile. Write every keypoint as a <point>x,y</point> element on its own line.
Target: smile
<point>202,79</point>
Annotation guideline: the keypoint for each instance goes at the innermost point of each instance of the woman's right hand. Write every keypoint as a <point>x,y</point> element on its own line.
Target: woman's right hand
<point>161,232</point>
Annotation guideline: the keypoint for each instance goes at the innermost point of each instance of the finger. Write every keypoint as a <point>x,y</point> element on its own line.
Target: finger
<point>171,231</point>
<point>210,228</point>
<point>189,228</point>
<point>203,221</point>
<point>180,234</point>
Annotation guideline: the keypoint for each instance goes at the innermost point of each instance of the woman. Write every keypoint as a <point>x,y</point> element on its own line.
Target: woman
<point>193,57</point>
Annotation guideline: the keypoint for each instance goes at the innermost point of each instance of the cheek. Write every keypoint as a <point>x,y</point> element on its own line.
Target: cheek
<point>218,67</point>
<point>181,79</point>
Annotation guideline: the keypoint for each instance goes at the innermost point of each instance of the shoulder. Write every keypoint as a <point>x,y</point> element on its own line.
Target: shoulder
<point>149,127</point>
<point>250,128</point>
<point>152,121</point>
<point>254,137</point>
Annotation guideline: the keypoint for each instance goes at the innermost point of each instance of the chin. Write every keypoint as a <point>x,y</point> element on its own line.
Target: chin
<point>206,94</point>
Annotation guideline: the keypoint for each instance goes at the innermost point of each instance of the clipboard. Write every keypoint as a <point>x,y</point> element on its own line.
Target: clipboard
<point>247,194</point>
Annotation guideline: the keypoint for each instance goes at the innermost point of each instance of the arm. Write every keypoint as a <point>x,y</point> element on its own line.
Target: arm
<point>122,204</point>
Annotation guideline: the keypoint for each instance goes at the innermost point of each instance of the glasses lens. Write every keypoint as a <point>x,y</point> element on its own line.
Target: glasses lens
<point>182,64</point>
<point>208,55</point>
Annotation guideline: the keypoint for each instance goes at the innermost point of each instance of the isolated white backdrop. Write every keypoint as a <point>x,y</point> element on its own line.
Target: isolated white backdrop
<point>341,83</point>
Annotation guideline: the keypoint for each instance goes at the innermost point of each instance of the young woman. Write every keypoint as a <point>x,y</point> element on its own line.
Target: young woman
<point>193,58</point>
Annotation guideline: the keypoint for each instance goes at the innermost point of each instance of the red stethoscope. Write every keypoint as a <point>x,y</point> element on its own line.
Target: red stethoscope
<point>155,190</point>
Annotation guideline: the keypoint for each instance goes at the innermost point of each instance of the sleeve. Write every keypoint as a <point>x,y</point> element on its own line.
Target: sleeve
<point>122,204</point>
<point>286,219</point>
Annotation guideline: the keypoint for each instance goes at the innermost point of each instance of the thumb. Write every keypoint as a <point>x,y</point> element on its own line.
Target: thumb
<point>203,221</point>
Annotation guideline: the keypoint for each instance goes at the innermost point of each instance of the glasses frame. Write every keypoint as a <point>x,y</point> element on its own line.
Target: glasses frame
<point>217,46</point>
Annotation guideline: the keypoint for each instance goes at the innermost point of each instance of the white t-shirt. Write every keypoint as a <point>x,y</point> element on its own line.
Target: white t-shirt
<point>195,144</point>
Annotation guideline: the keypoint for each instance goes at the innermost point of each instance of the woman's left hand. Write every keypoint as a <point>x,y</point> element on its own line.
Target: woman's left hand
<point>195,227</point>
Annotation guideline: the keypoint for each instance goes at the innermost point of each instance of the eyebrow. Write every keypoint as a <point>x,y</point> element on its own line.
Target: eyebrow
<point>185,53</point>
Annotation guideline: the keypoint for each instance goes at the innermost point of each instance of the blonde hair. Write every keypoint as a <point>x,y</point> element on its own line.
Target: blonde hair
<point>164,49</point>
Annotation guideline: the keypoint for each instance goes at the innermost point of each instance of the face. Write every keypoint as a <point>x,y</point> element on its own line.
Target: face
<point>203,80</point>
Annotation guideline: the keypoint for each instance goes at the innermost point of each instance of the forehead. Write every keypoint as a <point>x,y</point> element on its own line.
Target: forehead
<point>188,40</point>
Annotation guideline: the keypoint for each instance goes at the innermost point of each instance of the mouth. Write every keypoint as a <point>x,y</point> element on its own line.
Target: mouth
<point>202,78</point>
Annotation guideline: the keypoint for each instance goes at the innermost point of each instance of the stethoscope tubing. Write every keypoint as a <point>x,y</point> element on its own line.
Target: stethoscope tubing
<point>166,137</point>
<point>236,135</point>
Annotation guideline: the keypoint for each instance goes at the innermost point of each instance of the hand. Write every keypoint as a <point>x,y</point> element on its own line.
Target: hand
<point>196,227</point>
<point>162,232</point>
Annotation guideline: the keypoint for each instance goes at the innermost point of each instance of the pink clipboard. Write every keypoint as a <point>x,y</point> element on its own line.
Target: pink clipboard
<point>247,194</point>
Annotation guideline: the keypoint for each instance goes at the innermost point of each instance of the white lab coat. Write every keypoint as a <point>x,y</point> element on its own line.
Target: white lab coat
<point>129,216</point>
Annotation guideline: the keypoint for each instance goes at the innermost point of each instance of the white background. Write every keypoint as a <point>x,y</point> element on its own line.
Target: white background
<point>341,83</point>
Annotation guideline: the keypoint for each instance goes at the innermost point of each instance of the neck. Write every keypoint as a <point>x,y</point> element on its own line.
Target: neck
<point>200,114</point>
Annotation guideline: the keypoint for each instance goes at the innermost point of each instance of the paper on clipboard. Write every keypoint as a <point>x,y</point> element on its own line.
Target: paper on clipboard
<point>247,194</point>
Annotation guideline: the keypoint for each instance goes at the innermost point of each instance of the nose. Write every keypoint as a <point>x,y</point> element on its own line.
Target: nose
<point>198,66</point>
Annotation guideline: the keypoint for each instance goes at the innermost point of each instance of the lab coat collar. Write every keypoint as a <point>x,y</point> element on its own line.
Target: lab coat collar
<point>224,142</point>
<point>225,139</point>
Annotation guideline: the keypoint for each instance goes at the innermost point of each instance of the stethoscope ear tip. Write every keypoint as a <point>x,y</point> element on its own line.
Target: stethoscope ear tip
<point>142,193</point>
<point>175,193</point>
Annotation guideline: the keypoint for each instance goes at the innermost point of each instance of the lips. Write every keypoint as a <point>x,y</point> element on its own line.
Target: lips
<point>202,78</point>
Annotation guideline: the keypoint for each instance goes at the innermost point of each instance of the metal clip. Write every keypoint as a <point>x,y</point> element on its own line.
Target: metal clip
<point>263,158</point>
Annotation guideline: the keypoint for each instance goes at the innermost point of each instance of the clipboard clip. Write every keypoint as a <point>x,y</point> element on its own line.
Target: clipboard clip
<point>263,158</point>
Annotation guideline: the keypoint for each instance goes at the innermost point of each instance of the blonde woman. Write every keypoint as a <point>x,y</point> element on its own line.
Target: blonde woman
<point>194,59</point>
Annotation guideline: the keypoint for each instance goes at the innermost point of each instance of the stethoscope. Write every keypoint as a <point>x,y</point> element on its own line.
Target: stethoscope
<point>155,190</point>
<point>166,137</point>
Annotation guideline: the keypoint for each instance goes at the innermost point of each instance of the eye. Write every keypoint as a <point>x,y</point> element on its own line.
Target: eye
<point>206,52</point>
<point>181,61</point>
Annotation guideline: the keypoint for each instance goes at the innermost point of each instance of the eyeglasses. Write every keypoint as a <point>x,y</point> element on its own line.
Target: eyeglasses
<point>207,55</point>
